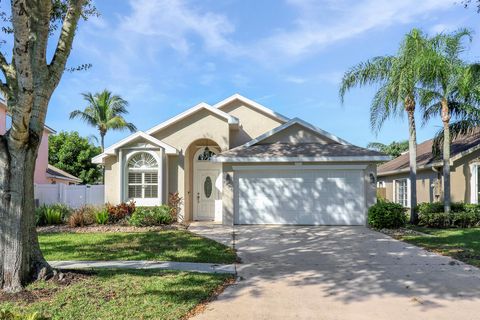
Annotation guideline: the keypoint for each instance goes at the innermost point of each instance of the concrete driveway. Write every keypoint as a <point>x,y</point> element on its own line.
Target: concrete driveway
<point>340,273</point>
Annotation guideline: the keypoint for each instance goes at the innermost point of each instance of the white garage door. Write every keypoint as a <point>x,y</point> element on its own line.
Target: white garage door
<point>305,197</point>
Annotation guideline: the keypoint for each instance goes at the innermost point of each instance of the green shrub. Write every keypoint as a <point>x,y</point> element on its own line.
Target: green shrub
<point>51,214</point>
<point>434,219</point>
<point>427,207</point>
<point>83,216</point>
<point>151,216</point>
<point>466,219</point>
<point>387,215</point>
<point>101,216</point>
<point>9,315</point>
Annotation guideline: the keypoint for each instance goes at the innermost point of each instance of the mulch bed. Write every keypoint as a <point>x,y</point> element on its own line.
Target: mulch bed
<point>108,228</point>
<point>61,279</point>
<point>401,232</point>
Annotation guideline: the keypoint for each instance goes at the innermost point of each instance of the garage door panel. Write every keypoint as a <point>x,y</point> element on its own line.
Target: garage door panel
<point>317,197</point>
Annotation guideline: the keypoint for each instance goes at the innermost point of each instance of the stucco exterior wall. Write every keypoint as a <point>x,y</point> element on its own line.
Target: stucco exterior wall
<point>460,175</point>
<point>112,181</point>
<point>252,122</point>
<point>202,127</point>
<point>296,134</point>
<point>425,181</point>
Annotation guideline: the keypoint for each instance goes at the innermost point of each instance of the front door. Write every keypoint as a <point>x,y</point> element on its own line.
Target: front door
<point>206,193</point>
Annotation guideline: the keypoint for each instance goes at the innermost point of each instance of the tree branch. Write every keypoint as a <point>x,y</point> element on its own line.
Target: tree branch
<point>64,45</point>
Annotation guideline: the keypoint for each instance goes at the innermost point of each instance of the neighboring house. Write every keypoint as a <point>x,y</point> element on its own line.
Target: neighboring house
<point>464,178</point>
<point>238,162</point>
<point>44,172</point>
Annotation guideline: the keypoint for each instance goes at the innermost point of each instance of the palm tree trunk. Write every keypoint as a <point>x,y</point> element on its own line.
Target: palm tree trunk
<point>446,155</point>
<point>412,146</point>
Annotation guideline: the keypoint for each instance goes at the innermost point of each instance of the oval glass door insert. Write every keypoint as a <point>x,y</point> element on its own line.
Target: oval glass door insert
<point>207,187</point>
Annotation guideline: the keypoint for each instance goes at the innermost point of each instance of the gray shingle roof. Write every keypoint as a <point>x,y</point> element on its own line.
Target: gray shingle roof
<point>425,156</point>
<point>295,150</point>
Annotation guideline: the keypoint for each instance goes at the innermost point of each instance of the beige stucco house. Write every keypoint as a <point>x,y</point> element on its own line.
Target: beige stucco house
<point>238,162</point>
<point>393,176</point>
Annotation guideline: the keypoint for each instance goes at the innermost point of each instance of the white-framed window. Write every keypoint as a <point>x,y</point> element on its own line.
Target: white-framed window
<point>142,176</point>
<point>474,183</point>
<point>380,184</point>
<point>401,192</point>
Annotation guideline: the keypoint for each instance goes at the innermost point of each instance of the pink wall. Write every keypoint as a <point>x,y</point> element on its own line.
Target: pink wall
<point>42,158</point>
<point>3,119</point>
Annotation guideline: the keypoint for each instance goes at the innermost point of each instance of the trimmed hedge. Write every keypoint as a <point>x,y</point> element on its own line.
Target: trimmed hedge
<point>386,215</point>
<point>462,215</point>
<point>151,216</point>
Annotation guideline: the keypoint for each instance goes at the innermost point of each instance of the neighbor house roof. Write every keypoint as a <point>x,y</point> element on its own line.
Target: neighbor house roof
<point>312,151</point>
<point>461,146</point>
<point>54,172</point>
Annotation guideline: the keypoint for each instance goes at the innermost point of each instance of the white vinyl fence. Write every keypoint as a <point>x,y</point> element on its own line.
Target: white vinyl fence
<point>73,196</point>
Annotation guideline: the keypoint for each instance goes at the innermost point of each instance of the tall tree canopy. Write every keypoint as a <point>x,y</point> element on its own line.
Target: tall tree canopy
<point>72,153</point>
<point>447,85</point>
<point>393,149</point>
<point>29,79</point>
<point>105,112</point>
<point>398,78</point>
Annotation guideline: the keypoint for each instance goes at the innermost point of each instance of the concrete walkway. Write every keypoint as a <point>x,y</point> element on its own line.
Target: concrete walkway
<point>343,273</point>
<point>144,264</point>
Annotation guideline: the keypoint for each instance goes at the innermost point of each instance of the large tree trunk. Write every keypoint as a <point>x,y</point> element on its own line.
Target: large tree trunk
<point>28,86</point>
<point>446,155</point>
<point>412,146</point>
<point>19,248</point>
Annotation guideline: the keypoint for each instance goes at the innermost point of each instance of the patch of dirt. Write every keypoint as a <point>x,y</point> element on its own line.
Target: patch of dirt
<point>108,228</point>
<point>203,305</point>
<point>401,232</point>
<point>61,279</point>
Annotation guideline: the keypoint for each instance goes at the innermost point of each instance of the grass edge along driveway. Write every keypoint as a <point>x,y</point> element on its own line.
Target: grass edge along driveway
<point>168,245</point>
<point>460,244</point>
<point>118,294</point>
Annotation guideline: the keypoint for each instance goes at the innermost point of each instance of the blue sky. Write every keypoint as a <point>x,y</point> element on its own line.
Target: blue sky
<point>165,56</point>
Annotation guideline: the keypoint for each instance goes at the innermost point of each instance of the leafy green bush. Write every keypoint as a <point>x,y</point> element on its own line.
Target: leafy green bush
<point>434,219</point>
<point>51,214</point>
<point>83,216</point>
<point>151,216</point>
<point>101,216</point>
<point>387,215</point>
<point>466,219</point>
<point>427,207</point>
<point>9,315</point>
<point>461,215</point>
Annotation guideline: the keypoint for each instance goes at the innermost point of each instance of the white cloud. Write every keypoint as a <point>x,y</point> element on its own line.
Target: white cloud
<point>321,23</point>
<point>174,22</point>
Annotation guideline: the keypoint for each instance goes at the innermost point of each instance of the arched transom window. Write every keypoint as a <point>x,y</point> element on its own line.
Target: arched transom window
<point>142,176</point>
<point>206,154</point>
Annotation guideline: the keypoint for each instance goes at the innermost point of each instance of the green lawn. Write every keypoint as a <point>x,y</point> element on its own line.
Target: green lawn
<point>170,245</point>
<point>461,244</point>
<point>126,294</point>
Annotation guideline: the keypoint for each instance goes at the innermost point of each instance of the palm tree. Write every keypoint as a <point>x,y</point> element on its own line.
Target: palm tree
<point>398,77</point>
<point>447,85</point>
<point>104,111</point>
